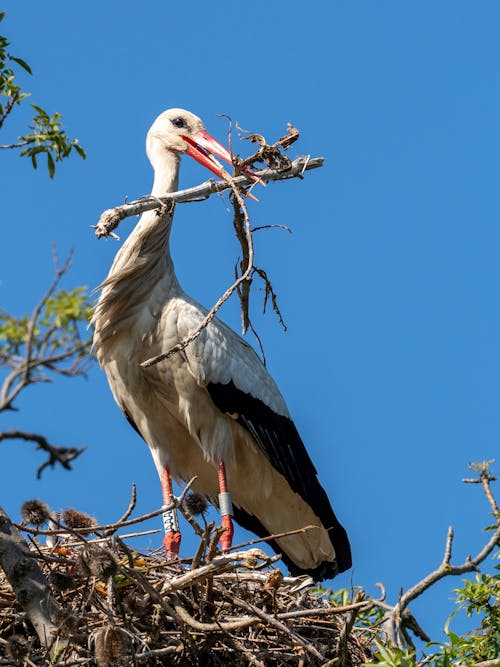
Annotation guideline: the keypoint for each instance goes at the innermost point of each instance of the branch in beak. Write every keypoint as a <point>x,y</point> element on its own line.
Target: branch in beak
<point>202,145</point>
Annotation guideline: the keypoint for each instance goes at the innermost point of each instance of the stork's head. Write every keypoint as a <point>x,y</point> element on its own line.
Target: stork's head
<point>180,131</point>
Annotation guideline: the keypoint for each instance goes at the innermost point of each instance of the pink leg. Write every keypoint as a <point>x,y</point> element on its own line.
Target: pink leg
<point>226,509</point>
<point>172,539</point>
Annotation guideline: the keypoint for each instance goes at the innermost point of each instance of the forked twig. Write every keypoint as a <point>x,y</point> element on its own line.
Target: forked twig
<point>394,616</point>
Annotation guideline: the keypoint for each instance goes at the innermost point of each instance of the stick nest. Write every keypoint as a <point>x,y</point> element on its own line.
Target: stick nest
<point>118,607</point>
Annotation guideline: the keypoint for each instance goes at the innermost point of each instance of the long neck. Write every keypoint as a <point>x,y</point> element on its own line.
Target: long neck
<point>166,168</point>
<point>143,270</point>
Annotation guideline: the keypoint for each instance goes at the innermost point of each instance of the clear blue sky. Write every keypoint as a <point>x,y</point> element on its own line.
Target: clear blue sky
<point>389,283</point>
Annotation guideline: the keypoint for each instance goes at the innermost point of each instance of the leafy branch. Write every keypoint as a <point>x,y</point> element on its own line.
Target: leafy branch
<point>388,625</point>
<point>47,136</point>
<point>34,348</point>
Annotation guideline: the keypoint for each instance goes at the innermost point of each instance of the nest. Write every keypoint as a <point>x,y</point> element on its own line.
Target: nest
<point>114,606</point>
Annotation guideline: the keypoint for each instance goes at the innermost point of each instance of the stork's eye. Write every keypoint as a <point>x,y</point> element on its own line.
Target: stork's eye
<point>179,122</point>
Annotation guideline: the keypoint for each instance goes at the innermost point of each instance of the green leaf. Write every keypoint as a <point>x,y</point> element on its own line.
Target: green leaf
<point>22,63</point>
<point>43,116</point>
<point>80,150</point>
<point>51,165</point>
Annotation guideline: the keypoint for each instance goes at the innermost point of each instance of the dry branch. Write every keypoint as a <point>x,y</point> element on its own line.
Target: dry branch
<point>41,355</point>
<point>61,455</point>
<point>280,167</point>
<point>394,620</point>
<point>111,218</point>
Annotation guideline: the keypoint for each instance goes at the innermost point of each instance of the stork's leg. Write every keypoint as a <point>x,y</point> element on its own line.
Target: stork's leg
<point>172,539</point>
<point>226,509</point>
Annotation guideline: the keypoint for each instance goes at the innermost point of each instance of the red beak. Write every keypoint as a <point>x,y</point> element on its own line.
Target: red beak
<point>202,145</point>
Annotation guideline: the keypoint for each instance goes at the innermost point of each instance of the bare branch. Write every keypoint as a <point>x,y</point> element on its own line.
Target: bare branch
<point>445,569</point>
<point>494,662</point>
<point>128,512</point>
<point>244,222</point>
<point>14,99</point>
<point>117,524</point>
<point>60,271</point>
<point>448,548</point>
<point>61,455</point>
<point>18,144</point>
<point>43,353</point>
<point>111,218</point>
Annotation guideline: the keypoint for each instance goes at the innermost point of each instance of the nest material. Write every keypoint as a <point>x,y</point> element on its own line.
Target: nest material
<point>234,609</point>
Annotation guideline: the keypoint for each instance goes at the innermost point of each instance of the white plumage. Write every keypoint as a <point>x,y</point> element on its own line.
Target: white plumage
<point>215,401</point>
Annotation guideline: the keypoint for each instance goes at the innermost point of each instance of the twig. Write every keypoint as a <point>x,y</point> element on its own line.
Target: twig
<point>157,652</point>
<point>327,611</point>
<point>117,524</point>
<point>111,218</point>
<point>393,618</point>
<point>347,629</point>
<point>484,663</point>
<point>269,292</point>
<point>485,477</point>
<point>215,566</point>
<point>60,271</point>
<point>17,144</point>
<point>216,626</point>
<point>129,522</point>
<point>448,548</point>
<point>128,511</point>
<point>128,536</point>
<point>62,455</point>
<point>276,536</point>
<point>271,620</point>
<point>14,99</point>
<point>23,366</point>
<point>234,287</point>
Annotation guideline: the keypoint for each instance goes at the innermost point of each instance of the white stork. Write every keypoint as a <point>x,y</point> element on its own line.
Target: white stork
<point>212,410</point>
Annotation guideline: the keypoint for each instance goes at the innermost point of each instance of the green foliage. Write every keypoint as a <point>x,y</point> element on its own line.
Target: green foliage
<point>47,134</point>
<point>390,656</point>
<point>56,328</point>
<point>8,88</point>
<point>48,137</point>
<point>64,308</point>
<point>13,333</point>
<point>480,597</point>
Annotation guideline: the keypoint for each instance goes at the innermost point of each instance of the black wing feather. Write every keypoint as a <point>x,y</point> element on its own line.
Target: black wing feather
<point>281,443</point>
<point>130,420</point>
<point>326,570</point>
